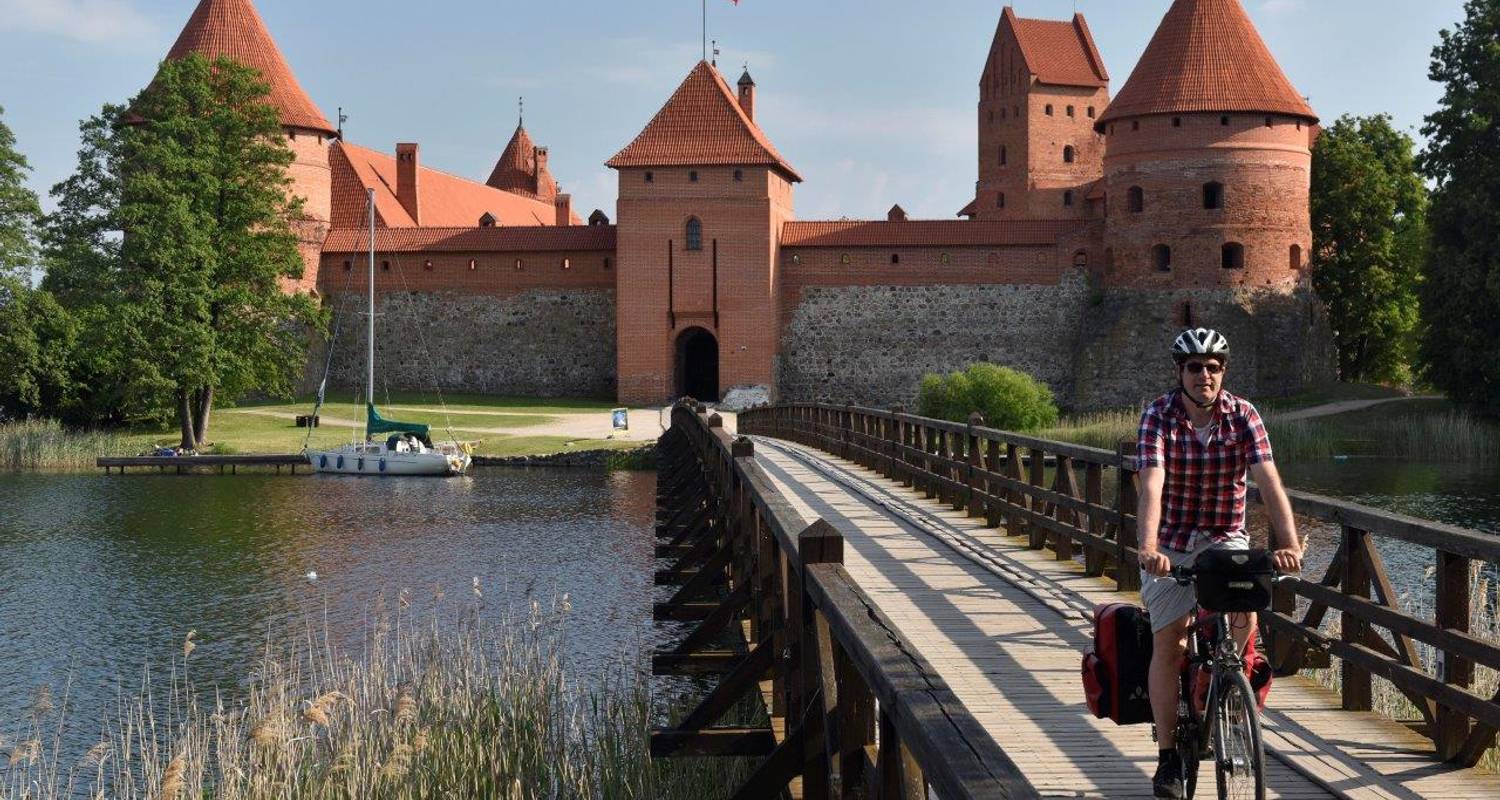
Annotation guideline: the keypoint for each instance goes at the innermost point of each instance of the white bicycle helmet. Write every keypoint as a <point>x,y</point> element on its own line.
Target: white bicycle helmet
<point>1200,342</point>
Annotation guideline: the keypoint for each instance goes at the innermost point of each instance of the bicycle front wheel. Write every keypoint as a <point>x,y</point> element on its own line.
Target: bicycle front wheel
<point>1239,762</point>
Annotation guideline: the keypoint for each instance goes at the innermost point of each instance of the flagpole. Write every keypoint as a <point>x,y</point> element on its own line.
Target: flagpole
<point>705,29</point>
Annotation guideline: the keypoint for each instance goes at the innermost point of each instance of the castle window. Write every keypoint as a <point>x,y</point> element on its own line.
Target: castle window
<point>1213,196</point>
<point>739,175</point>
<point>427,265</point>
<point>1070,111</point>
<point>1161,256</point>
<point>1135,199</point>
<point>1049,109</point>
<point>895,258</point>
<point>567,263</point>
<point>291,134</point>
<point>1233,256</point>
<point>473,265</point>
<point>1069,154</point>
<point>1000,200</point>
<point>606,262</point>
<point>1004,155</point>
<point>385,266</point>
<point>1224,120</point>
<point>348,265</point>
<point>487,220</point>
<point>693,176</point>
<point>519,265</point>
<point>1068,198</point>
<point>1185,314</point>
<point>1296,257</point>
<point>694,234</point>
<point>843,258</point>
<point>1081,258</point>
<point>1177,122</point>
<point>945,258</point>
<point>1091,113</point>
<point>649,176</point>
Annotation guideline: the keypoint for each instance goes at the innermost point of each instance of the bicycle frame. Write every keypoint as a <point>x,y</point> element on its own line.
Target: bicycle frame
<point>1223,658</point>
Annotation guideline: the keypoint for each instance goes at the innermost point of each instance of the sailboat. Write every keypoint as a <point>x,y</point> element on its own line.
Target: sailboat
<point>408,448</point>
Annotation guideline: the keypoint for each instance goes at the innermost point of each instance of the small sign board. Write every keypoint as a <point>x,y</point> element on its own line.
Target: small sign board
<point>620,418</point>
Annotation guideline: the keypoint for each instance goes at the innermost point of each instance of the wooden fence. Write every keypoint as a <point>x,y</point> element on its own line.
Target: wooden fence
<point>851,709</point>
<point>1003,477</point>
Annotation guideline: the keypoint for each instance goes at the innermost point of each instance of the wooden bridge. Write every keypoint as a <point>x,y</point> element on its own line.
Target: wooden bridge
<point>889,606</point>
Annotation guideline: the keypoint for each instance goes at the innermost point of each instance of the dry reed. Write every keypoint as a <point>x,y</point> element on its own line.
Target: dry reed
<point>44,444</point>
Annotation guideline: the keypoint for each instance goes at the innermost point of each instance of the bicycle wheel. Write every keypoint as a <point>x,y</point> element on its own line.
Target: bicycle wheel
<point>1239,762</point>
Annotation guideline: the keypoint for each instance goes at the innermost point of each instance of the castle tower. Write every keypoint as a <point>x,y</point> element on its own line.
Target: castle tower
<point>1207,161</point>
<point>1043,86</point>
<point>233,28</point>
<point>703,195</point>
<point>522,168</point>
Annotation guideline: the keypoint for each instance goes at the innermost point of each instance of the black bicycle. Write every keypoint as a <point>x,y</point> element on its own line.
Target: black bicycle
<point>1228,728</point>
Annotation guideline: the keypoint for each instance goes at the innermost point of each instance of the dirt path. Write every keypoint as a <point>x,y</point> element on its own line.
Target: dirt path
<point>1342,407</point>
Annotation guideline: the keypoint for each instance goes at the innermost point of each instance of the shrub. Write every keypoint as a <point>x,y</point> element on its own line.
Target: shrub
<point>1009,399</point>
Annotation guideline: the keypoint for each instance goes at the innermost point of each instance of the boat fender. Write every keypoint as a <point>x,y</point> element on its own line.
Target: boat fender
<point>361,463</point>
<point>382,465</point>
<point>341,462</point>
<point>323,461</point>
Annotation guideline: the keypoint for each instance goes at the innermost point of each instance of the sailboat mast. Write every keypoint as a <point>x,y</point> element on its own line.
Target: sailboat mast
<point>370,317</point>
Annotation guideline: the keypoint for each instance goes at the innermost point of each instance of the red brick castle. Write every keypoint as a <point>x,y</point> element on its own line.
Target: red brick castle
<point>1098,226</point>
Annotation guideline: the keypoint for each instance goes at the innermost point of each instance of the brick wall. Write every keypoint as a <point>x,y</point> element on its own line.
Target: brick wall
<point>495,274</point>
<point>311,181</point>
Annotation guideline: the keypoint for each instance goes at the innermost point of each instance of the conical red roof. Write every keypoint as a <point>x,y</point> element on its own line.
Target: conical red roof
<point>1206,56</point>
<point>702,123</point>
<point>516,169</point>
<point>234,28</point>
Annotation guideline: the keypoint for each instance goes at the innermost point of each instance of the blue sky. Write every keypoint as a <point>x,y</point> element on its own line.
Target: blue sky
<point>871,100</point>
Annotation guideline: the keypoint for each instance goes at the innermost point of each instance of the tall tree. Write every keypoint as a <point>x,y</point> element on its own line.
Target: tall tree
<point>37,339</point>
<point>1460,348</point>
<point>1369,209</point>
<point>19,209</point>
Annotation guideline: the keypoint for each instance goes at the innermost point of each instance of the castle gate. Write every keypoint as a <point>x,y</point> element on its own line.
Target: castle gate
<point>697,365</point>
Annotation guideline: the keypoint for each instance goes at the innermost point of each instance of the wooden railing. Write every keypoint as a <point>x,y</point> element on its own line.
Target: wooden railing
<point>1003,477</point>
<point>851,708</point>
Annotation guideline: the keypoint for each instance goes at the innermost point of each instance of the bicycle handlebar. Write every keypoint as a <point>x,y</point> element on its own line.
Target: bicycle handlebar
<point>1184,575</point>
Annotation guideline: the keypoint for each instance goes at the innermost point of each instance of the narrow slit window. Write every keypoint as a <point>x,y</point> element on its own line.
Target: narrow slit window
<point>1068,198</point>
<point>1296,257</point>
<point>694,234</point>
<point>1161,257</point>
<point>1069,154</point>
<point>1135,199</point>
<point>1213,196</point>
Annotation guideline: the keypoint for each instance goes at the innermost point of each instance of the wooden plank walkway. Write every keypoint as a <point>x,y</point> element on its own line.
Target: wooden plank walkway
<point>1006,627</point>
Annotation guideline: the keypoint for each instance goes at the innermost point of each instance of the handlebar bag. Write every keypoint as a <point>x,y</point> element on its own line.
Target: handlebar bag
<point>1115,671</point>
<point>1234,580</point>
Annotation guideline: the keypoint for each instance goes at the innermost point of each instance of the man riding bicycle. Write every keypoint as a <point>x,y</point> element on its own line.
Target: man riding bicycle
<point>1195,445</point>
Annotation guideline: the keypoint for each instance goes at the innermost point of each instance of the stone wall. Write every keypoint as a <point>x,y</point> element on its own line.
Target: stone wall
<point>537,343</point>
<point>872,344</point>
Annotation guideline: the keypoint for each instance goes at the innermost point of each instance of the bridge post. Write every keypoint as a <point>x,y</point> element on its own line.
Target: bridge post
<point>1452,613</point>
<point>971,446</point>
<point>819,543</point>
<point>1127,572</point>
<point>1356,691</point>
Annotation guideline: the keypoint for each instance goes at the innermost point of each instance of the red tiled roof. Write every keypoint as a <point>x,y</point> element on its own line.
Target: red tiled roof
<point>445,200</point>
<point>702,123</point>
<point>970,210</point>
<point>234,28</point>
<point>1206,56</point>
<point>924,233</point>
<point>473,240</point>
<point>516,170</point>
<point>1058,52</point>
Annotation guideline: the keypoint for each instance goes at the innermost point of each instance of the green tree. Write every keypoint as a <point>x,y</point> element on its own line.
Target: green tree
<point>1460,294</point>
<point>175,234</point>
<point>1008,399</point>
<point>37,339</point>
<point>19,209</point>
<point>1369,210</point>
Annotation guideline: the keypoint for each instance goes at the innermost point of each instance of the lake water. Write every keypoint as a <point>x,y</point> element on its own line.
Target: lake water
<point>101,575</point>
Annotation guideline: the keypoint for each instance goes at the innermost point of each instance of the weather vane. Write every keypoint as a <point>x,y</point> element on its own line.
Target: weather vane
<point>521,110</point>
<point>342,119</point>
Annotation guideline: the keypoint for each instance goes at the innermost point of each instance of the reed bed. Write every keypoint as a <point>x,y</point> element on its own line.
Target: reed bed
<point>44,444</point>
<point>426,710</point>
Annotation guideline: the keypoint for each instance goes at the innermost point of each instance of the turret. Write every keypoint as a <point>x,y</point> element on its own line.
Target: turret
<point>1207,164</point>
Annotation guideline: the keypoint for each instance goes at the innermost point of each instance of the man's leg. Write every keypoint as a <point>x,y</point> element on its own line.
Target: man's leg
<point>1240,627</point>
<point>1169,645</point>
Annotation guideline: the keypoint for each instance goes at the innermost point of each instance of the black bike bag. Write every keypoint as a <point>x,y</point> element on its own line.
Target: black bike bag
<point>1234,580</point>
<point>1115,672</point>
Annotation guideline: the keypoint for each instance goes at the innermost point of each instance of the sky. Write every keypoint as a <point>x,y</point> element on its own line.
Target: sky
<point>873,101</point>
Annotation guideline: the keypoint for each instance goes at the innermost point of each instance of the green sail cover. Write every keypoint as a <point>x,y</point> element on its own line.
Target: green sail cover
<point>374,423</point>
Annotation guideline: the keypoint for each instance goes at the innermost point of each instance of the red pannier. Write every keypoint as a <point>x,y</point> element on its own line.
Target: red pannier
<point>1257,670</point>
<point>1115,671</point>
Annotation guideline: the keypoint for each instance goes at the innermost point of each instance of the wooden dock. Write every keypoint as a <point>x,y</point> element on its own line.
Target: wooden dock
<point>181,464</point>
<point>910,600</point>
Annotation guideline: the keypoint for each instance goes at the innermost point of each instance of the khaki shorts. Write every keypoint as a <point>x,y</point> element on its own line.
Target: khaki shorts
<point>1164,599</point>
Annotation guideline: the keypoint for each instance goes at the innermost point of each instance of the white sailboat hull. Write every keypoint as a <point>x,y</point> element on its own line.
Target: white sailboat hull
<point>362,462</point>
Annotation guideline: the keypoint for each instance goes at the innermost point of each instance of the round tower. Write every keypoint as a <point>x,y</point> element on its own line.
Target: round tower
<point>1207,161</point>
<point>233,28</point>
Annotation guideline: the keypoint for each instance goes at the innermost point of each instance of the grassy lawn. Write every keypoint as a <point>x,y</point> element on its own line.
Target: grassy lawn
<point>1330,393</point>
<point>269,427</point>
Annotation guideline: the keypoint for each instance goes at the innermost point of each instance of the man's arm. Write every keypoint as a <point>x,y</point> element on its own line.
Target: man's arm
<point>1288,549</point>
<point>1148,520</point>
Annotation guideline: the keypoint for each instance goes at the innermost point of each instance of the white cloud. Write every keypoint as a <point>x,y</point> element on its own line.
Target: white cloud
<point>84,20</point>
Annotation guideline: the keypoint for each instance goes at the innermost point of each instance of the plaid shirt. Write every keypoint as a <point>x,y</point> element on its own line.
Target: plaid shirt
<point>1205,486</point>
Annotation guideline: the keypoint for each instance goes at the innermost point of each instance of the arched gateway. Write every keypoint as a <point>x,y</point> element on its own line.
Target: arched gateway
<point>697,365</point>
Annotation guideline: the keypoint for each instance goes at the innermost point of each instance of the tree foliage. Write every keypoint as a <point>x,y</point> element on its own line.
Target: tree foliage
<point>19,209</point>
<point>37,341</point>
<point>173,239</point>
<point>1460,294</point>
<point>1369,213</point>
<point>1008,399</point>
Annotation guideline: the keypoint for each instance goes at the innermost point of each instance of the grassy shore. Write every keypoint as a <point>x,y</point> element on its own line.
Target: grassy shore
<point>476,707</point>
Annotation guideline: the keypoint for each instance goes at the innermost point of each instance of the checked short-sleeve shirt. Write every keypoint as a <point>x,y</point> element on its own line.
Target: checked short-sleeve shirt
<point>1204,493</point>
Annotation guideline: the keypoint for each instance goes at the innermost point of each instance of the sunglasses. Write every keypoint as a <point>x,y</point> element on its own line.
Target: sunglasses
<point>1196,367</point>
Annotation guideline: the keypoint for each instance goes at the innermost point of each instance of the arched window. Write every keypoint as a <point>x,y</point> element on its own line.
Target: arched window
<point>1135,199</point>
<point>520,265</point>
<point>1049,109</point>
<point>1069,154</point>
<point>1296,257</point>
<point>1213,196</point>
<point>1000,200</point>
<point>694,234</point>
<point>1004,155</point>
<point>1091,112</point>
<point>1068,198</point>
<point>567,263</point>
<point>1161,256</point>
<point>1081,258</point>
<point>473,265</point>
<point>1070,111</point>
<point>1233,255</point>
